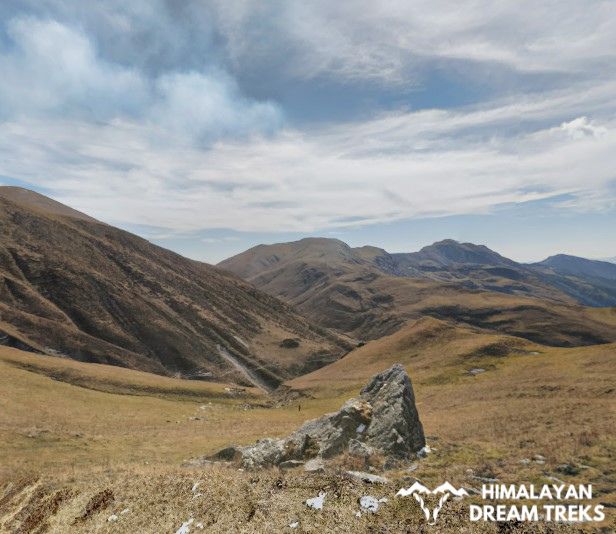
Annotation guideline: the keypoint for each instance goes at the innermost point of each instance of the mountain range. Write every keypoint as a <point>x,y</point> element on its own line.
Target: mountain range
<point>367,292</point>
<point>78,288</point>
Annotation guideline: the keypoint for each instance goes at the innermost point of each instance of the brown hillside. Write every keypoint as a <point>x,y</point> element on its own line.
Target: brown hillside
<point>85,290</point>
<point>347,289</point>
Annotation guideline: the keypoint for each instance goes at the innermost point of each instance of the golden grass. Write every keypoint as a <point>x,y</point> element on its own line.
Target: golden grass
<point>85,428</point>
<point>58,415</point>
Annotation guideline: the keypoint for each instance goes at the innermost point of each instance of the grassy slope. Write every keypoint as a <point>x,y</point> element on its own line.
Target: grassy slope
<point>95,293</point>
<point>68,420</point>
<point>338,287</point>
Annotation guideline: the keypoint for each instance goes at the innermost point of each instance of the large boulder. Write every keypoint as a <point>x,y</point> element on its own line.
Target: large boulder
<point>383,419</point>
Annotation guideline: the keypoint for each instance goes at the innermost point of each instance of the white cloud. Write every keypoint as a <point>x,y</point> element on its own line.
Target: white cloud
<point>582,127</point>
<point>154,140</point>
<point>196,105</point>
<point>404,165</point>
<point>383,40</point>
<point>54,70</point>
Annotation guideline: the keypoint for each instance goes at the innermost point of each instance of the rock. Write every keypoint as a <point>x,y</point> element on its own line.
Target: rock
<point>369,503</point>
<point>367,477</point>
<point>568,469</point>
<point>112,518</point>
<point>315,465</point>
<point>289,343</point>
<point>539,458</point>
<point>228,454</point>
<point>357,448</point>
<point>487,480</point>
<point>476,371</point>
<point>395,427</point>
<point>316,502</point>
<point>291,464</point>
<point>295,524</point>
<point>424,451</point>
<point>185,528</point>
<point>525,461</point>
<point>265,452</point>
<point>383,419</point>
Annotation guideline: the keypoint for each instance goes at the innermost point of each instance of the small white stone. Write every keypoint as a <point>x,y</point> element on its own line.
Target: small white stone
<point>112,518</point>
<point>316,502</point>
<point>295,524</point>
<point>369,503</point>
<point>185,528</point>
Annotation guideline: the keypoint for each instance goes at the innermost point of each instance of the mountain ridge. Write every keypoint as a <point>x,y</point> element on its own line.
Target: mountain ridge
<point>76,287</point>
<point>367,292</point>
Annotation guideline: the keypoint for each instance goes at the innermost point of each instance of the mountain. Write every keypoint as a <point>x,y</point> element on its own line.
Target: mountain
<point>75,287</point>
<point>367,292</point>
<point>575,266</point>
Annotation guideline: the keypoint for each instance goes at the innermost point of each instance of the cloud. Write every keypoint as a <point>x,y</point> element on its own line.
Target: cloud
<point>172,114</point>
<point>582,127</point>
<point>53,70</point>
<point>388,40</point>
<point>198,105</point>
<point>409,164</point>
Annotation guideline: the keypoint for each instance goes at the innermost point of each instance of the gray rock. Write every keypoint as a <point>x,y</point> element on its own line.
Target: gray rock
<point>568,469</point>
<point>395,427</point>
<point>383,418</point>
<point>314,465</point>
<point>424,451</point>
<point>291,464</point>
<point>369,503</point>
<point>362,476</point>
<point>476,371</point>
<point>263,453</point>
<point>357,448</point>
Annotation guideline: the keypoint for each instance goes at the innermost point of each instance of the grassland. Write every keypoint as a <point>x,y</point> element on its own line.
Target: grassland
<point>70,431</point>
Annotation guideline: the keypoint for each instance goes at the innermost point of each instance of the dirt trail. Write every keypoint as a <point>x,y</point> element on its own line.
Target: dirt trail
<point>247,372</point>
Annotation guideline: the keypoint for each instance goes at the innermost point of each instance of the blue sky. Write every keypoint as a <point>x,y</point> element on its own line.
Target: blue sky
<point>209,127</point>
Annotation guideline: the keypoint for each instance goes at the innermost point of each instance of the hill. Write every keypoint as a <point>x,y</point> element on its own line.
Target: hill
<point>77,288</point>
<point>366,292</point>
<point>575,266</point>
<point>71,432</point>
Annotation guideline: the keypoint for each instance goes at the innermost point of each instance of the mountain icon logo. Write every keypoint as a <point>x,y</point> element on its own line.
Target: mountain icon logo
<point>419,491</point>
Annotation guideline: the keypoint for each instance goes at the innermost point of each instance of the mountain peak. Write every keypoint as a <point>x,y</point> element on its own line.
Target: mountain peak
<point>576,266</point>
<point>34,201</point>
<point>449,252</point>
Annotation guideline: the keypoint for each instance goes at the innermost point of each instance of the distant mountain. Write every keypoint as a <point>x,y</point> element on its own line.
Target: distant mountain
<point>72,286</point>
<point>450,253</point>
<point>581,267</point>
<point>367,292</point>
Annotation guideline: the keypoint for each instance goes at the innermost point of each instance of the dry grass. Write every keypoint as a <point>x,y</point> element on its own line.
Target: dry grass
<point>160,501</point>
<point>69,431</point>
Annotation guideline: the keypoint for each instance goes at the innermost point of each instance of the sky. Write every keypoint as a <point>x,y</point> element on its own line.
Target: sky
<point>211,126</point>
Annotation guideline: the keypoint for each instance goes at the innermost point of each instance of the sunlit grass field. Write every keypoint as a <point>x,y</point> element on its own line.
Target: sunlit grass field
<point>87,428</point>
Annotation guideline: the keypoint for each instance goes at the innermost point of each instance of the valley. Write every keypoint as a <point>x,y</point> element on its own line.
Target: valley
<point>124,367</point>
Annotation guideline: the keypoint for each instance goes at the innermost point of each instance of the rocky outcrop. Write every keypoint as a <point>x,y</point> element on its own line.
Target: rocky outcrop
<point>382,419</point>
